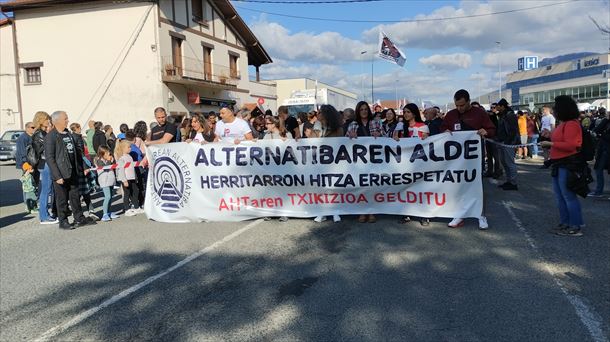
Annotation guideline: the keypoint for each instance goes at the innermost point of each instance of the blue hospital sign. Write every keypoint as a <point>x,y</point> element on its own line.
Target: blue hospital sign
<point>527,63</point>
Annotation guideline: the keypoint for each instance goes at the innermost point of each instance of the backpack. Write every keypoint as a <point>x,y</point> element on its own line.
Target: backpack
<point>30,155</point>
<point>587,149</point>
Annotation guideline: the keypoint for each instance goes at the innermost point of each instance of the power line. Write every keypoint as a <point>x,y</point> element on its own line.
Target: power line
<point>395,21</point>
<point>296,2</point>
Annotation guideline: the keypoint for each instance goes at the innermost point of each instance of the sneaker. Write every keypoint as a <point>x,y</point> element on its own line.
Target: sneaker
<point>139,211</point>
<point>319,219</point>
<point>509,186</point>
<point>559,227</point>
<point>456,223</point>
<point>49,221</point>
<point>65,225</point>
<point>131,212</point>
<point>405,219</point>
<point>84,222</point>
<point>283,219</point>
<point>114,216</point>
<point>594,194</point>
<point>425,222</point>
<point>266,218</point>
<point>570,231</point>
<point>336,218</point>
<point>106,218</point>
<point>483,223</point>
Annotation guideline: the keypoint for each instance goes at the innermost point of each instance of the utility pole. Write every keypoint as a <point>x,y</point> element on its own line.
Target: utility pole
<point>499,71</point>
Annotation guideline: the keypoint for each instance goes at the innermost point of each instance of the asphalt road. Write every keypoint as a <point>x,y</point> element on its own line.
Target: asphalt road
<point>300,280</point>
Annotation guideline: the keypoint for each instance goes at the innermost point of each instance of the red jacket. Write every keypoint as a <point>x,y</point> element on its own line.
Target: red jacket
<point>475,118</point>
<point>567,139</point>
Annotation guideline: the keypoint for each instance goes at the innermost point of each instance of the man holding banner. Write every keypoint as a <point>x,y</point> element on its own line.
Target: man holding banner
<point>468,118</point>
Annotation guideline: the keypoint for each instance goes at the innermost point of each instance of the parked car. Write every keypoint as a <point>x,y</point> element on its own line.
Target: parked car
<point>8,144</point>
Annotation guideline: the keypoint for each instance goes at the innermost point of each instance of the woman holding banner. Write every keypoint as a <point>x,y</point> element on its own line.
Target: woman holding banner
<point>330,120</point>
<point>201,132</point>
<point>412,127</point>
<point>364,126</point>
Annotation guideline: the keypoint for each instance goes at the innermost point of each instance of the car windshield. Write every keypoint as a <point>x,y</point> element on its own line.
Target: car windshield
<point>11,135</point>
<point>293,110</point>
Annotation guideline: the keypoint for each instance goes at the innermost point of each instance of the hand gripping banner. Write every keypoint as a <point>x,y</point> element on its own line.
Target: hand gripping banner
<point>436,177</point>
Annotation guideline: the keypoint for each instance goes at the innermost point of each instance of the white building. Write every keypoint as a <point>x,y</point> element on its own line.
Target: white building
<point>286,87</point>
<point>115,61</point>
<point>9,108</point>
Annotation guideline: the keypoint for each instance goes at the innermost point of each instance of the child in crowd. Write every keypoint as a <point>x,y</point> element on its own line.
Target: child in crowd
<point>29,190</point>
<point>106,180</point>
<point>126,174</point>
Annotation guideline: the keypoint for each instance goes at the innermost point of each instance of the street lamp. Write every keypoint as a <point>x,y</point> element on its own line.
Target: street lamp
<point>499,44</point>
<point>372,60</point>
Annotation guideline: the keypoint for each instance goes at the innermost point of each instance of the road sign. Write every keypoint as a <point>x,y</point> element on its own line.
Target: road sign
<point>260,101</point>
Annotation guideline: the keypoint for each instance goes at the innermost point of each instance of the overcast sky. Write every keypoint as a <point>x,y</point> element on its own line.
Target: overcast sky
<point>442,56</point>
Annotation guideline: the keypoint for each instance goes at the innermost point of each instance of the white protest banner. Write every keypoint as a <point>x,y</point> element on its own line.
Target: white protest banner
<point>389,51</point>
<point>436,177</point>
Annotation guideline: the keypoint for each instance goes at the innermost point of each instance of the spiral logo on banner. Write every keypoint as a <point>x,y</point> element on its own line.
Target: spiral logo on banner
<point>168,184</point>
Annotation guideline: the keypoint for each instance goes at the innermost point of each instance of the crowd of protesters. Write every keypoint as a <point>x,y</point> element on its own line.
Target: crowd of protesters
<point>60,165</point>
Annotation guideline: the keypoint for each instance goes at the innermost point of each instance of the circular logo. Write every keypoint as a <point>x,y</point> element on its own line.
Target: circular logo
<point>260,101</point>
<point>168,184</point>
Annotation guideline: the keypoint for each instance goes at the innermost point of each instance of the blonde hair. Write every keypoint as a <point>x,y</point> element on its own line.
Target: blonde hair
<point>118,148</point>
<point>39,119</point>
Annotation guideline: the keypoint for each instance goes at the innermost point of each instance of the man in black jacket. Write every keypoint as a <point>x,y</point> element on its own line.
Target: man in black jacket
<point>65,161</point>
<point>508,134</point>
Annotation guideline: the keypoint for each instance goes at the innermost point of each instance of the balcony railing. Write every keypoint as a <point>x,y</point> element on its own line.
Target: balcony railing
<point>194,69</point>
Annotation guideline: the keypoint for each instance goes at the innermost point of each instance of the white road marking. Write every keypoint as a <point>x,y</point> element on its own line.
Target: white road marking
<point>587,314</point>
<point>88,313</point>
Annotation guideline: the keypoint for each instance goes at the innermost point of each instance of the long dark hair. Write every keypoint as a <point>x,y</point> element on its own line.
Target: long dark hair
<point>331,118</point>
<point>566,108</point>
<point>412,107</point>
<point>368,108</point>
<point>140,129</point>
<point>389,110</point>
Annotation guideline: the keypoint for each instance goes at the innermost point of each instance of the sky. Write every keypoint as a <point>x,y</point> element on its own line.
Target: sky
<point>442,55</point>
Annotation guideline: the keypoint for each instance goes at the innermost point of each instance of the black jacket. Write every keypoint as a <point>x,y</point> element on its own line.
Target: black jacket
<point>38,145</point>
<point>58,159</point>
<point>508,128</point>
<point>99,139</point>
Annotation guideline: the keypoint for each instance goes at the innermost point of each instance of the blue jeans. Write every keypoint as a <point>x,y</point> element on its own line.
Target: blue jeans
<point>46,191</point>
<point>567,202</point>
<point>107,198</point>
<point>534,140</point>
<point>602,156</point>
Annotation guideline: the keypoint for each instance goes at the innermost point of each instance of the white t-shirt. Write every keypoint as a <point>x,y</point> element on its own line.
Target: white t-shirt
<point>234,130</point>
<point>198,138</point>
<point>417,130</point>
<point>546,121</point>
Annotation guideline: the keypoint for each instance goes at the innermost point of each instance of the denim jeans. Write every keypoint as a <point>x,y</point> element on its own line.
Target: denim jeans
<point>603,155</point>
<point>107,198</point>
<point>567,202</point>
<point>534,140</point>
<point>46,191</point>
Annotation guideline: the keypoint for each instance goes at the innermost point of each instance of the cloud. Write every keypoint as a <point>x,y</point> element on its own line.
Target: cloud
<point>447,62</point>
<point>325,47</point>
<point>555,29</point>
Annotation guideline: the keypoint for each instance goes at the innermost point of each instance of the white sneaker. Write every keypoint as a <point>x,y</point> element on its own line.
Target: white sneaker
<point>139,211</point>
<point>456,222</point>
<point>131,212</point>
<point>483,223</point>
<point>49,221</point>
<point>319,219</point>
<point>336,218</point>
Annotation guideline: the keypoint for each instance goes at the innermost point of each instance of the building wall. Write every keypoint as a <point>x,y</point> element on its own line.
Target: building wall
<point>196,36</point>
<point>287,86</point>
<point>81,47</point>
<point>265,91</point>
<point>9,112</point>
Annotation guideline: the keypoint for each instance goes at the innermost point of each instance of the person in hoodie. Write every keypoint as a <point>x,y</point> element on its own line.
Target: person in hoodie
<point>99,137</point>
<point>507,134</point>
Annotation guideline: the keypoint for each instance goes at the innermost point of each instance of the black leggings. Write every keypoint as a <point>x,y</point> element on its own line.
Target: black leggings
<point>131,192</point>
